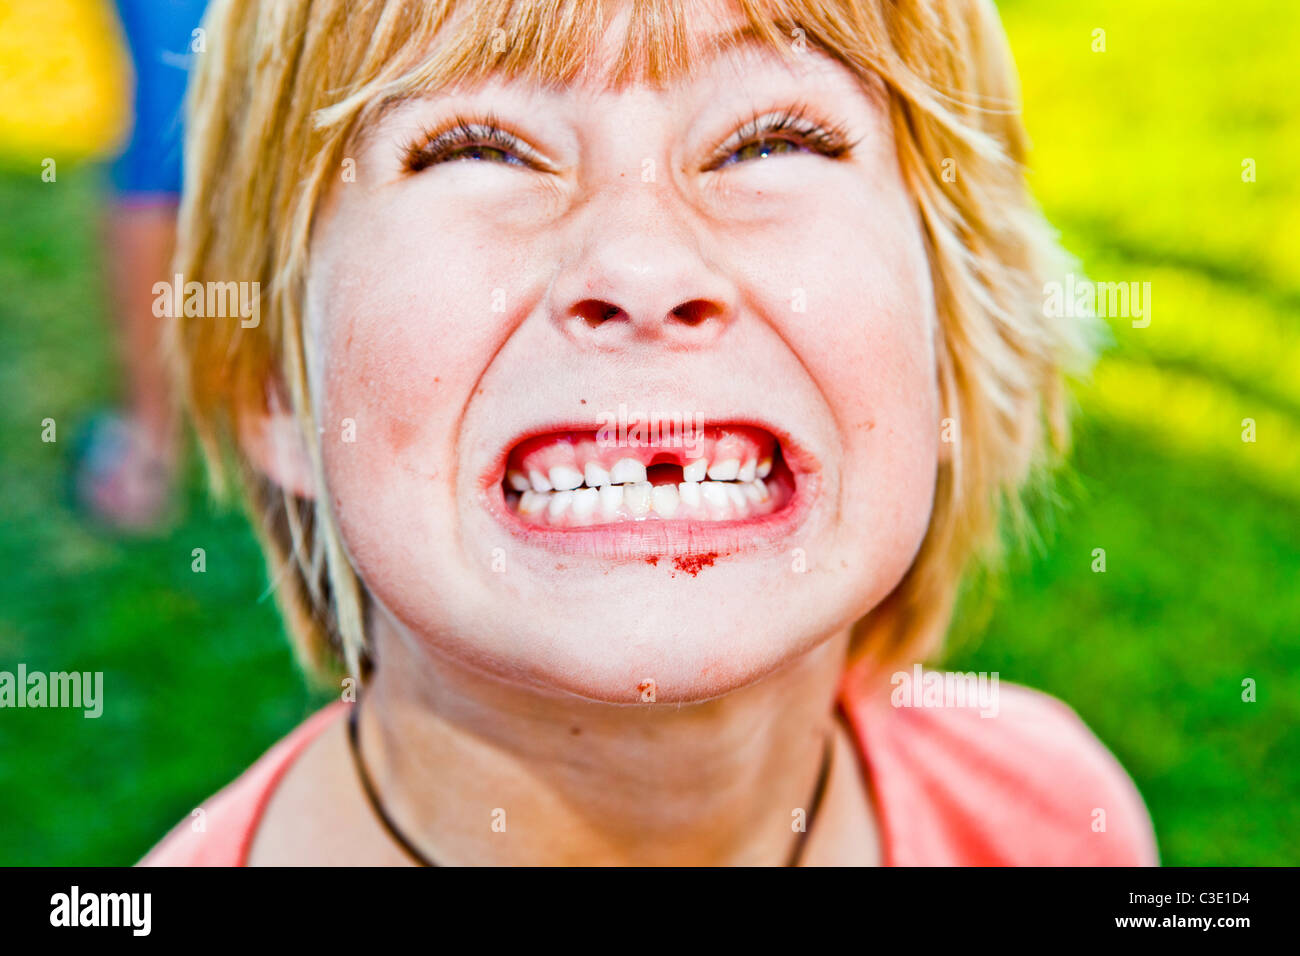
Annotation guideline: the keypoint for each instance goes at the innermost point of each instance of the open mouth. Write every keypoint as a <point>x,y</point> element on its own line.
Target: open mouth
<point>572,479</point>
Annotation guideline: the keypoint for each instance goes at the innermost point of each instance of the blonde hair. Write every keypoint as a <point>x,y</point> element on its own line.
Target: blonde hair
<point>287,85</point>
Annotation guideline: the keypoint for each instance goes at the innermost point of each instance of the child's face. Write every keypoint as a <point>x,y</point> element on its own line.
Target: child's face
<point>528,292</point>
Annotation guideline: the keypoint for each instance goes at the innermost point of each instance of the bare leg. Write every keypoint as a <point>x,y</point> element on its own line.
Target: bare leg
<point>134,490</point>
<point>142,237</point>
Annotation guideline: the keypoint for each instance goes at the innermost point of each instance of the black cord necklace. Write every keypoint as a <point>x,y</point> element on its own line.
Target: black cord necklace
<point>421,860</point>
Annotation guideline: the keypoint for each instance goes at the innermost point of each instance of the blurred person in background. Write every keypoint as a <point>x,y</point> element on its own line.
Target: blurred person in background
<point>126,459</point>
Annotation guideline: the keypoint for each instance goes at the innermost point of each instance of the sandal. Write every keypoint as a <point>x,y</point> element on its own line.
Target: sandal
<point>119,479</point>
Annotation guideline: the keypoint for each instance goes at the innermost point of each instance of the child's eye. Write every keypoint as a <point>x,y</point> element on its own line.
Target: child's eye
<point>787,131</point>
<point>790,130</point>
<point>469,140</point>
<point>761,149</point>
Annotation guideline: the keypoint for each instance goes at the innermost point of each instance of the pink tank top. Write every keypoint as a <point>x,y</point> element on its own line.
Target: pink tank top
<point>1031,786</point>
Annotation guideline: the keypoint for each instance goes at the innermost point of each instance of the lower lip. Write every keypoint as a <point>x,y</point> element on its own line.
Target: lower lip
<point>672,538</point>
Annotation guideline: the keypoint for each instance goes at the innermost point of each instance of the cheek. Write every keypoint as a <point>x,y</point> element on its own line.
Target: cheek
<point>400,360</point>
<point>877,355</point>
<point>383,378</point>
<point>399,307</point>
<point>384,375</point>
<point>866,338</point>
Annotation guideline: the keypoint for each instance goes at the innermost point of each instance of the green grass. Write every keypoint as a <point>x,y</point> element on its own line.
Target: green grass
<point>1198,594</point>
<point>197,678</point>
<point>1138,162</point>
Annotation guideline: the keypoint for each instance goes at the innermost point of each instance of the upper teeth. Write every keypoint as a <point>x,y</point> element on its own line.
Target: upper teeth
<point>725,470</point>
<point>564,478</point>
<point>629,472</point>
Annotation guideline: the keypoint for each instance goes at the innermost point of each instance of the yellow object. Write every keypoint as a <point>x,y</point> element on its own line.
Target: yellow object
<point>65,80</point>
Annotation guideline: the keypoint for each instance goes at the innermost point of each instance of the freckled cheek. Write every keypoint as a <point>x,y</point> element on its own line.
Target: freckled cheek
<point>871,351</point>
<point>401,355</point>
<point>388,484</point>
<point>883,377</point>
<point>388,413</point>
<point>397,306</point>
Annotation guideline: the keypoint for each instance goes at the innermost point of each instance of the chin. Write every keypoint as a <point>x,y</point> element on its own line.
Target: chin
<point>643,635</point>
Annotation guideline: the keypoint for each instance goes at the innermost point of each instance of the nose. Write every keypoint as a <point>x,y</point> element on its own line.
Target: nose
<point>640,275</point>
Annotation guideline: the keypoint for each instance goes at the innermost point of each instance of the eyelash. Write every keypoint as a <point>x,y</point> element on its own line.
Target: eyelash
<point>434,146</point>
<point>791,125</point>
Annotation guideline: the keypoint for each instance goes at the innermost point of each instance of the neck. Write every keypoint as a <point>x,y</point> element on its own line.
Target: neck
<point>476,770</point>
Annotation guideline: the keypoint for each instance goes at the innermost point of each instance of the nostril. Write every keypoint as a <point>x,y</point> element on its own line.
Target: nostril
<point>596,312</point>
<point>696,311</point>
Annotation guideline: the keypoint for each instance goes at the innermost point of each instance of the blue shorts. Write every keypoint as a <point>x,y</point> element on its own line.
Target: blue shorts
<point>159,34</point>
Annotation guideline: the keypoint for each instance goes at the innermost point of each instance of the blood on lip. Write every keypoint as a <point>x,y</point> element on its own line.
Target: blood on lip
<point>692,564</point>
